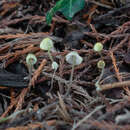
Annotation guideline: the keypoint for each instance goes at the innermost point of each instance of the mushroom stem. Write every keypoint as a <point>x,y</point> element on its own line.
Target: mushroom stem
<point>72,58</point>
<point>50,56</point>
<point>72,72</point>
<point>97,84</point>
<point>71,76</point>
<point>52,80</point>
<point>30,67</point>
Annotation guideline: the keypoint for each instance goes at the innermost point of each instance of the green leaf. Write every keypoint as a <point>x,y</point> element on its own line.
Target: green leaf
<point>53,10</point>
<point>72,7</point>
<point>67,7</point>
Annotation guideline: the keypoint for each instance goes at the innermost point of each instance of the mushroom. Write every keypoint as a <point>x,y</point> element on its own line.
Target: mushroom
<point>30,60</point>
<point>100,65</point>
<point>47,44</point>
<point>54,65</point>
<point>98,47</point>
<point>73,58</point>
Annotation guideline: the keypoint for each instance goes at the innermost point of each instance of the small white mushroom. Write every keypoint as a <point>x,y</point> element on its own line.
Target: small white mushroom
<point>74,58</point>
<point>54,65</point>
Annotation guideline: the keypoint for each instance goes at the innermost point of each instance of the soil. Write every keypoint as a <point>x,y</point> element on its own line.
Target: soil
<point>40,99</point>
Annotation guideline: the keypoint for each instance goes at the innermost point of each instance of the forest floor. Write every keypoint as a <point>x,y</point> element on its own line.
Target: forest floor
<point>38,103</point>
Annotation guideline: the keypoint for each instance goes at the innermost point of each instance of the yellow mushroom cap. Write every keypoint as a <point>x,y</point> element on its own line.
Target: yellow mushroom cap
<point>98,47</point>
<point>101,64</point>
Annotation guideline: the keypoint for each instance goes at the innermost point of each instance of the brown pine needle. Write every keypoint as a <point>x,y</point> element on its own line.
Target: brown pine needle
<point>115,67</point>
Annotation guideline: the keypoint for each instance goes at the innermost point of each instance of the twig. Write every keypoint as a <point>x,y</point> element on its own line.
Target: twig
<point>100,4</point>
<point>21,98</point>
<point>37,72</point>
<point>120,44</point>
<point>114,85</point>
<point>87,117</point>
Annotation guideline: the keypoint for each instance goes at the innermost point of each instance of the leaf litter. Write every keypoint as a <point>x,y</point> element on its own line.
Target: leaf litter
<point>30,103</point>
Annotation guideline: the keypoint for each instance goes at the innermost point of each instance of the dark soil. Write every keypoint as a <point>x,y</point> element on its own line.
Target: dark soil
<point>34,104</point>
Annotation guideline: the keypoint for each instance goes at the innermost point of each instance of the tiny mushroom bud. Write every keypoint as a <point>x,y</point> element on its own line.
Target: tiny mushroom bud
<point>31,59</point>
<point>74,56</point>
<point>98,47</point>
<point>101,64</point>
<point>55,65</point>
<point>46,44</point>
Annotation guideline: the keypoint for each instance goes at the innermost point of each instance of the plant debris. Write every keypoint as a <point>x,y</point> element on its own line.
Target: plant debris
<point>34,101</point>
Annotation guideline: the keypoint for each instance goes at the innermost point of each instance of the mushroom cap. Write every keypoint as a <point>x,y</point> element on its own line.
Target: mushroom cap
<point>69,58</point>
<point>54,65</point>
<point>101,64</point>
<point>31,59</point>
<point>98,47</point>
<point>46,44</point>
